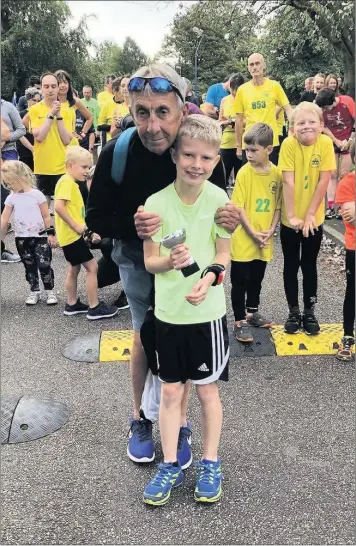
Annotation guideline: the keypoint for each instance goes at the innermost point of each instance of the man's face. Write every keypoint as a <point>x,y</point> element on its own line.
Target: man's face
<point>308,84</point>
<point>157,118</point>
<point>318,83</point>
<point>49,87</point>
<point>109,85</point>
<point>87,93</point>
<point>256,65</point>
<point>195,160</point>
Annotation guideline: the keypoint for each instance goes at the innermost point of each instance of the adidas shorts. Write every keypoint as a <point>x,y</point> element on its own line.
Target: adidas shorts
<point>199,352</point>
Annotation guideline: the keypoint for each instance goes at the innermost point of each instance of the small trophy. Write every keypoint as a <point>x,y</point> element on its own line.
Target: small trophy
<point>177,238</point>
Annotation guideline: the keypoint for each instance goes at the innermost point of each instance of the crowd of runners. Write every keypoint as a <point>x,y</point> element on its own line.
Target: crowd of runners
<point>173,190</point>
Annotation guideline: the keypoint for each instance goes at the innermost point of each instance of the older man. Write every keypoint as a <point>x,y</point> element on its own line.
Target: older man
<point>157,106</point>
<point>256,101</point>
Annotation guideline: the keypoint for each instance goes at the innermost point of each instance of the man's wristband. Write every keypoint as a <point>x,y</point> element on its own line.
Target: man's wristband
<point>50,116</point>
<point>59,118</point>
<point>49,231</point>
<point>218,270</point>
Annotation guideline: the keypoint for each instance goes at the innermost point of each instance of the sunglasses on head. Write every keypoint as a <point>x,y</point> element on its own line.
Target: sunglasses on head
<point>157,85</point>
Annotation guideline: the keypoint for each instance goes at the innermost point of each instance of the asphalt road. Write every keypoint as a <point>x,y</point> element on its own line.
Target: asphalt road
<point>287,447</point>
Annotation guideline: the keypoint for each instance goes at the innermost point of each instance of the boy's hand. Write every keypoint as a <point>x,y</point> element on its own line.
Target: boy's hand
<point>52,241</point>
<point>80,228</point>
<point>260,238</point>
<point>180,256</point>
<point>267,234</point>
<point>228,217</point>
<point>200,290</point>
<point>95,238</point>
<point>348,212</point>
<point>296,223</point>
<point>309,225</point>
<point>147,223</point>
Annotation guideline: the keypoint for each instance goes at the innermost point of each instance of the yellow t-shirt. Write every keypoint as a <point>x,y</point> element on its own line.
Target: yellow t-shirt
<point>121,110</point>
<point>107,114</point>
<point>258,104</point>
<point>103,97</point>
<point>281,122</point>
<point>260,195</point>
<point>72,110</point>
<point>68,190</point>
<point>228,139</point>
<point>49,155</point>
<point>306,162</point>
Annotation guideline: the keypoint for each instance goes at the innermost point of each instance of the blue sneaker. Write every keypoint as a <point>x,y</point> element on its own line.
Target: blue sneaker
<point>158,490</point>
<point>184,450</point>
<point>208,487</point>
<point>140,448</point>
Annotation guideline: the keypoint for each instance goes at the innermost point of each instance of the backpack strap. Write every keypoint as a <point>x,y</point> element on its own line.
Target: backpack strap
<point>120,154</point>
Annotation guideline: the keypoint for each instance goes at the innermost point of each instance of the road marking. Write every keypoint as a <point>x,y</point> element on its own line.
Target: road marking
<point>115,345</point>
<point>334,233</point>
<point>325,343</point>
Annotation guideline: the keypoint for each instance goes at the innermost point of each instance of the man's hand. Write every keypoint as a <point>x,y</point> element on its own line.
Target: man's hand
<point>296,223</point>
<point>147,223</point>
<point>348,212</point>
<point>309,225</point>
<point>200,290</point>
<point>95,238</point>
<point>180,256</point>
<point>56,108</point>
<point>228,217</point>
<point>239,153</point>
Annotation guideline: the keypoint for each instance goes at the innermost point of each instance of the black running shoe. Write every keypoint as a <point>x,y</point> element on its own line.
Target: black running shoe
<point>293,322</point>
<point>121,302</point>
<point>76,309</point>
<point>310,323</point>
<point>101,311</point>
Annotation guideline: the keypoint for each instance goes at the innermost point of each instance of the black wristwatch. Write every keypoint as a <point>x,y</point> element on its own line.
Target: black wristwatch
<point>50,116</point>
<point>59,118</point>
<point>218,270</point>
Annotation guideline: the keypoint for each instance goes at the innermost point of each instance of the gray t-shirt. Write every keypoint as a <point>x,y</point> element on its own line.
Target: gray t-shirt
<point>28,220</point>
<point>12,118</point>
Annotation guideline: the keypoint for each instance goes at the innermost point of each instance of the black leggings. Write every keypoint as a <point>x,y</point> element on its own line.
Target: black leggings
<point>349,301</point>
<point>36,255</point>
<point>231,161</point>
<point>299,251</point>
<point>246,278</point>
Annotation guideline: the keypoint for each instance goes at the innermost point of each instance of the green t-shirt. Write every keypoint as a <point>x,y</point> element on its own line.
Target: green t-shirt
<point>93,108</point>
<point>198,222</point>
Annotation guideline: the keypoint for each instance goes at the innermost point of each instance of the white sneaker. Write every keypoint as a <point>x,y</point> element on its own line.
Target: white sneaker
<point>51,298</point>
<point>10,257</point>
<point>33,298</point>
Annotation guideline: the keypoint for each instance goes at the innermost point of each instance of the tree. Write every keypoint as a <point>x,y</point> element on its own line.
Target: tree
<point>130,58</point>
<point>36,37</point>
<point>332,20</point>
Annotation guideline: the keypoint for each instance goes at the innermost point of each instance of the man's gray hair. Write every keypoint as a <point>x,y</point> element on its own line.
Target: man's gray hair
<point>163,71</point>
<point>32,92</point>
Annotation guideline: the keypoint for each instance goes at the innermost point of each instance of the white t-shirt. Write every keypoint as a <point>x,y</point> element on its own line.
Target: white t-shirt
<point>28,219</point>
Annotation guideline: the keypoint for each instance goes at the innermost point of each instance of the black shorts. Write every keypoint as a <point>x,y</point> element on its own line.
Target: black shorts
<point>78,252</point>
<point>199,352</point>
<point>46,183</point>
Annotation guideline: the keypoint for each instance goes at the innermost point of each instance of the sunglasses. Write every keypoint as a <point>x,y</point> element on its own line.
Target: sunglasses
<point>157,85</point>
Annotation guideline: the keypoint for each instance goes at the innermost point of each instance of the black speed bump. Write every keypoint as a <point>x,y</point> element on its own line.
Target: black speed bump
<point>262,344</point>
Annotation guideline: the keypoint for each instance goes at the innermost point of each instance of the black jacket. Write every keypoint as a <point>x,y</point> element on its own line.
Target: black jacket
<point>111,208</point>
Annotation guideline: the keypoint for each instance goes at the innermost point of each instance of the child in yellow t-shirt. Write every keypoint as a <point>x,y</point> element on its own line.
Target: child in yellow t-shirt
<point>306,161</point>
<point>257,195</point>
<point>72,236</point>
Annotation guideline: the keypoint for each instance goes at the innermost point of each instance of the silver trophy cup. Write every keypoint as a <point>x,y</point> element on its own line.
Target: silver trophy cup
<point>177,238</point>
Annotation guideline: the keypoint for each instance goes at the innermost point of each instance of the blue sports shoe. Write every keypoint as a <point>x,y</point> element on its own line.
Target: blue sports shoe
<point>140,448</point>
<point>184,450</point>
<point>158,490</point>
<point>208,487</point>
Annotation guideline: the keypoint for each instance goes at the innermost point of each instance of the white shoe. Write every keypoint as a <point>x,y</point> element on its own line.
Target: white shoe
<point>10,257</point>
<point>51,298</point>
<point>33,298</point>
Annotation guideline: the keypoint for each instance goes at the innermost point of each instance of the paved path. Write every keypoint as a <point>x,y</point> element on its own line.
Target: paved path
<point>287,447</point>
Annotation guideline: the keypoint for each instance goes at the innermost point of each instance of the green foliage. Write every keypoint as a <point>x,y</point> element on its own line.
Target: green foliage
<point>131,58</point>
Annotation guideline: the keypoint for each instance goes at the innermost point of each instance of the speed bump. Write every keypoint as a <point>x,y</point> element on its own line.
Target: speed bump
<point>324,343</point>
<point>115,345</point>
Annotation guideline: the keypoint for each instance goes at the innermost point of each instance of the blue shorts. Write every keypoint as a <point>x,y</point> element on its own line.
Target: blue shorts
<point>136,281</point>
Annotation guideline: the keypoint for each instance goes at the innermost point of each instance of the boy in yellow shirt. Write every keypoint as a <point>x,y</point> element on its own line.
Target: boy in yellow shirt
<point>306,161</point>
<point>72,236</point>
<point>257,195</point>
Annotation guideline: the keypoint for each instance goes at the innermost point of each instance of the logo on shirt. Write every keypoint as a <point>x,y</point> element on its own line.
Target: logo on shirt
<point>273,187</point>
<point>315,160</point>
<point>306,182</point>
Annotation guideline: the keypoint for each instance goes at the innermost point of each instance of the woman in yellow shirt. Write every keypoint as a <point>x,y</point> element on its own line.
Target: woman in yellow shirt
<point>122,109</point>
<point>227,123</point>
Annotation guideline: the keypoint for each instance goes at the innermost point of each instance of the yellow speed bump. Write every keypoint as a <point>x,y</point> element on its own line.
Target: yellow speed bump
<point>325,343</point>
<point>115,345</point>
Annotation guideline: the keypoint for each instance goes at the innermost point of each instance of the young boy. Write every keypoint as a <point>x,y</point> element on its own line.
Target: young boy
<point>345,197</point>
<point>191,331</point>
<point>306,161</point>
<point>71,234</point>
<point>257,194</point>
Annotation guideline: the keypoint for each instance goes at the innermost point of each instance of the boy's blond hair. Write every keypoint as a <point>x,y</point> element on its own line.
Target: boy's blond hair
<point>17,172</point>
<point>307,107</point>
<point>77,153</point>
<point>198,127</point>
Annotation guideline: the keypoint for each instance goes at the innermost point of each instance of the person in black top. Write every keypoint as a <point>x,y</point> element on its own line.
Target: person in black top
<point>34,81</point>
<point>116,211</point>
<point>25,144</point>
<point>87,142</point>
<point>318,83</point>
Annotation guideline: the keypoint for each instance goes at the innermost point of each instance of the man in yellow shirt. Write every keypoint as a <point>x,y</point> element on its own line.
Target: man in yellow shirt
<point>107,94</point>
<point>106,115</point>
<point>52,125</point>
<point>256,101</point>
